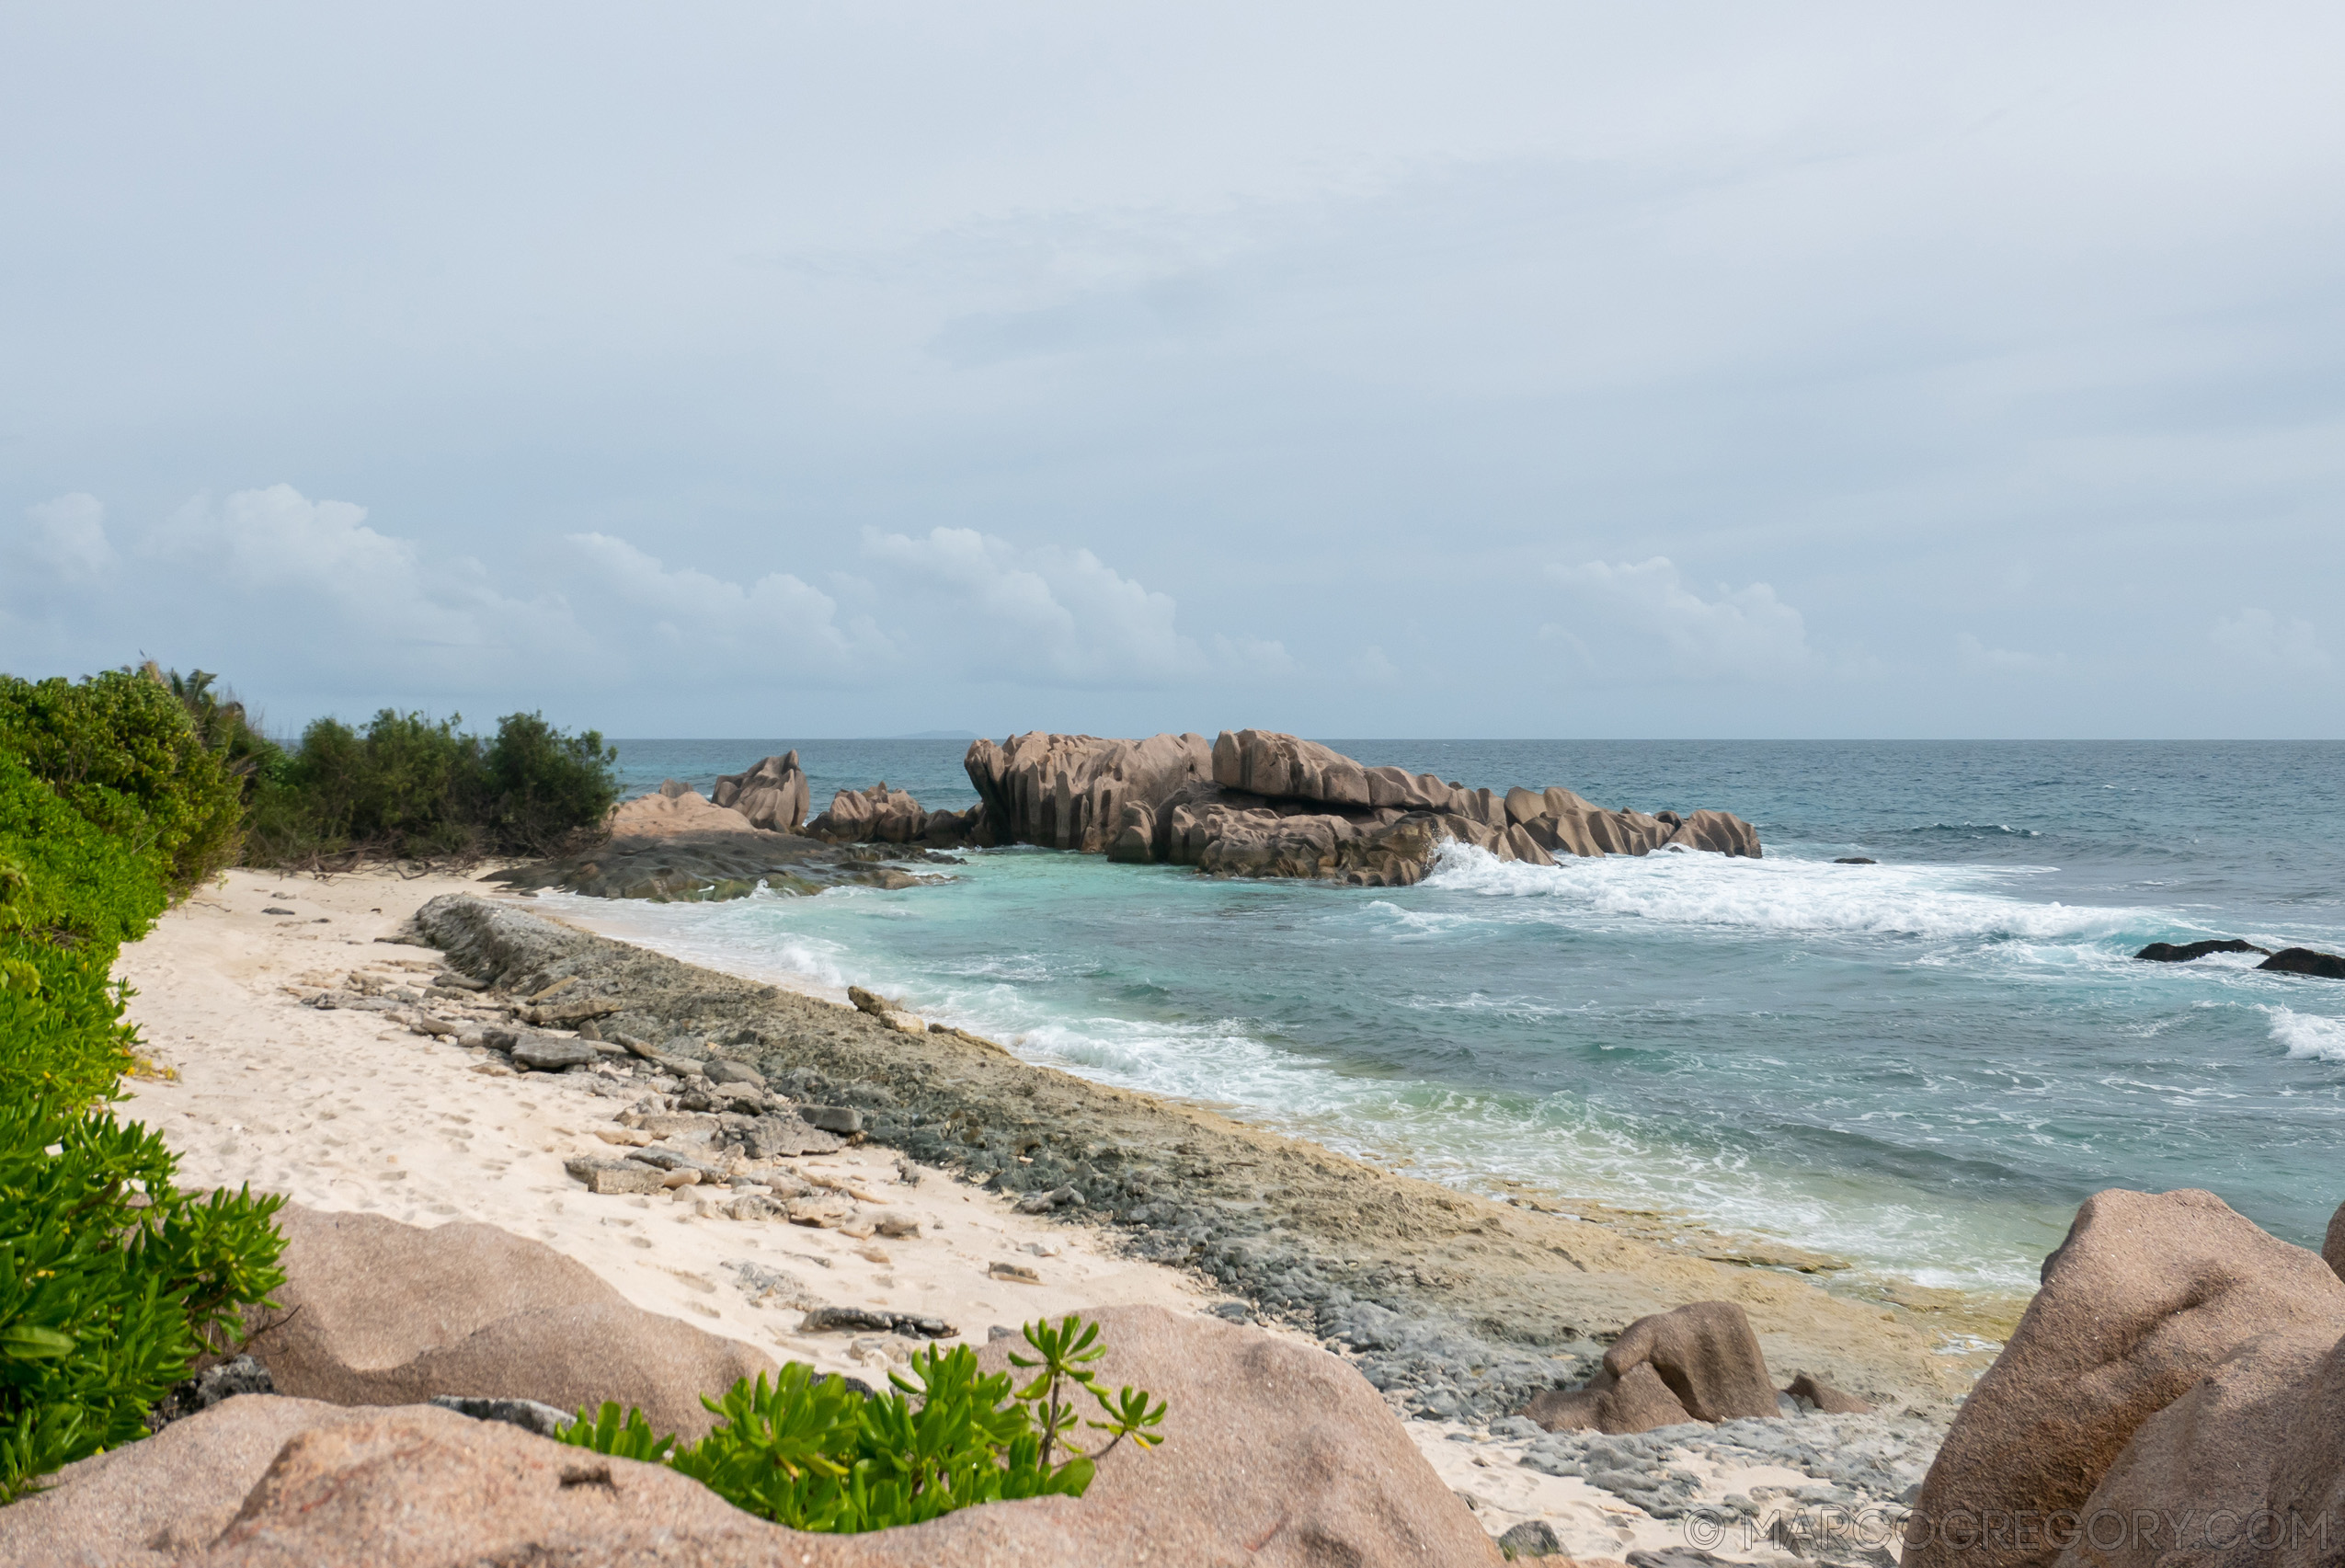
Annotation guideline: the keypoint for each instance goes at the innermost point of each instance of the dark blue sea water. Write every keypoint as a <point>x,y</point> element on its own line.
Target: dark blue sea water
<point>1922,1064</point>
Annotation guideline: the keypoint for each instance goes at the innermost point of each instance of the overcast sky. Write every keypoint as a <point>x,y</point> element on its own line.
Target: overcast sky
<point>1461,370</point>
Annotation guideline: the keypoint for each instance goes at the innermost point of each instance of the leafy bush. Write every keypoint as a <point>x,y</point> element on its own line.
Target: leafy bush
<point>818,1454</point>
<point>111,1282</point>
<point>69,895</point>
<point>410,786</point>
<point>121,749</point>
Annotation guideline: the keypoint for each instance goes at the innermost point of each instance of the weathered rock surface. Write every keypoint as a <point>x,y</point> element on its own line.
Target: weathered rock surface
<point>2147,1296</point>
<point>883,816</point>
<point>1276,1454</point>
<point>1258,804</point>
<point>2332,1246</point>
<point>674,807</point>
<point>772,796</point>
<point>2211,1480</point>
<point>2305,961</point>
<point>1700,1362</point>
<point>2182,953</point>
<point>377,1312</point>
<point>1068,791</point>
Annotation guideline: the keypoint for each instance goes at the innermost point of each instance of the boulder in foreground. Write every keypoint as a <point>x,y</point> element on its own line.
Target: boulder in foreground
<point>1277,1454</point>
<point>377,1312</point>
<point>2149,1295</point>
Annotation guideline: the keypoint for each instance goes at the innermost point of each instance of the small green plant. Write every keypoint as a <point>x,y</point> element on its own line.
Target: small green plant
<point>818,1454</point>
<point>111,1282</point>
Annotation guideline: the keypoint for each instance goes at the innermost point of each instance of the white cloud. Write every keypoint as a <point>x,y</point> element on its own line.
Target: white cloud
<point>288,568</point>
<point>1977,659</point>
<point>2261,638</point>
<point>1059,617</point>
<point>1628,613</point>
<point>65,538</point>
<point>785,620</point>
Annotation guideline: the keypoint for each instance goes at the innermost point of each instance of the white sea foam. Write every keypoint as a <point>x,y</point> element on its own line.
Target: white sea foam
<point>2308,1035</point>
<point>1776,893</point>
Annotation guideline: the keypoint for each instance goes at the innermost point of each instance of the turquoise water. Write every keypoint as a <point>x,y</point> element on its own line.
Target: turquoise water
<point>1922,1065</point>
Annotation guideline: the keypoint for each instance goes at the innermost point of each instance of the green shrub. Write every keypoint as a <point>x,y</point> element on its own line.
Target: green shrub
<point>410,786</point>
<point>121,749</point>
<point>111,1283</point>
<point>69,895</point>
<point>542,784</point>
<point>818,1454</point>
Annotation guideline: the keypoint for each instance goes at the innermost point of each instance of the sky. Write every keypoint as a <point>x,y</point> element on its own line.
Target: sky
<point>1479,370</point>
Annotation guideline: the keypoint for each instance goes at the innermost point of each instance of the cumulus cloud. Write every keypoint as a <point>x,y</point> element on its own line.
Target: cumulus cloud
<point>1062,617</point>
<point>1629,615</point>
<point>65,539</point>
<point>794,624</point>
<point>2261,638</point>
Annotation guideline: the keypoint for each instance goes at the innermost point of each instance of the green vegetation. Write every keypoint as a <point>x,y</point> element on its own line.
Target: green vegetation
<point>118,748</point>
<point>111,1280</point>
<point>407,786</point>
<point>818,1454</point>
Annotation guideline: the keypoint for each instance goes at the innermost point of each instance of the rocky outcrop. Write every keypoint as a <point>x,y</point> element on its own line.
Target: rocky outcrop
<point>1276,1454</point>
<point>1081,792</point>
<point>1700,1362</point>
<point>883,816</point>
<point>2305,961</point>
<point>2184,952</point>
<point>377,1312</point>
<point>2169,1303</point>
<point>772,796</point>
<point>1260,804</point>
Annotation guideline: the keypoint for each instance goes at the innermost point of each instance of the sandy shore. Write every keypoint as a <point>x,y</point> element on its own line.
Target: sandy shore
<point>343,1109</point>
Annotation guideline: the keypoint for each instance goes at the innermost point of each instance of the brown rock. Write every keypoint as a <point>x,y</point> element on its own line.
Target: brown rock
<point>377,1312</point>
<point>1276,1454</point>
<point>873,816</point>
<point>1636,1402</point>
<point>663,815</point>
<point>2148,1295</point>
<point>151,1501</point>
<point>1068,791</point>
<point>1699,1362</point>
<point>772,796</point>
<point>1825,1397</point>
<point>2332,1246</point>
<point>2212,1459</point>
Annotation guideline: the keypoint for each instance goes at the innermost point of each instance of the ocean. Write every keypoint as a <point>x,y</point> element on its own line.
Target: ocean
<point>1920,1066</point>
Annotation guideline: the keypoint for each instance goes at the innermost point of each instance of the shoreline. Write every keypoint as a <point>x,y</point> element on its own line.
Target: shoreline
<point>1978,1317</point>
<point>1451,1304</point>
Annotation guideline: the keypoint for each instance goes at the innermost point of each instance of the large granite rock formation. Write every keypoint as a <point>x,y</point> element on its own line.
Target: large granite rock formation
<point>883,816</point>
<point>2177,1359</point>
<point>1258,803</point>
<point>1070,792</point>
<point>674,807</point>
<point>772,796</point>
<point>1277,1454</point>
